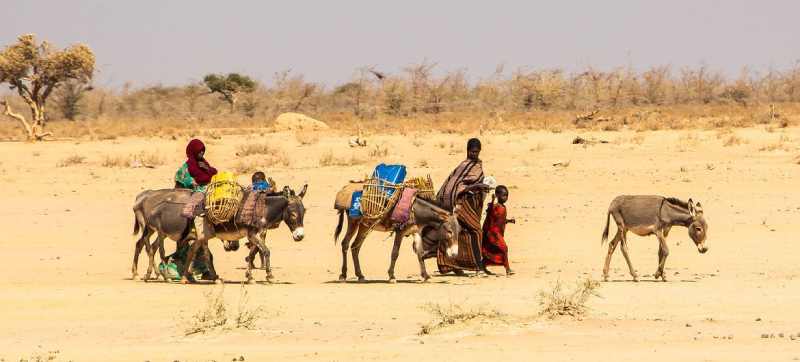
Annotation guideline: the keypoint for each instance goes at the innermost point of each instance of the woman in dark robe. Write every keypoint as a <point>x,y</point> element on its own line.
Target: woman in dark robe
<point>463,192</point>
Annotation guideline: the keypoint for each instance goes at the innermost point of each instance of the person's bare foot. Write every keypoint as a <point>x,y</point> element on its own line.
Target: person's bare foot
<point>510,272</point>
<point>485,270</point>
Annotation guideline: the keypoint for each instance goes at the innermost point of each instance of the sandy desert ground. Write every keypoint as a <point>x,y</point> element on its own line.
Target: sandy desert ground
<point>67,293</point>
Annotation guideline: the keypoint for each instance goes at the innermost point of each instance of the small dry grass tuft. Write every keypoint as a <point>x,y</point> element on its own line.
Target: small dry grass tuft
<point>449,315</point>
<point>214,315</point>
<point>141,159</point>
<point>379,151</point>
<point>423,163</point>
<point>262,155</point>
<point>782,144</point>
<point>306,138</point>
<point>255,149</point>
<point>115,161</point>
<point>558,302</point>
<point>71,161</point>
<point>733,140</point>
<point>329,159</point>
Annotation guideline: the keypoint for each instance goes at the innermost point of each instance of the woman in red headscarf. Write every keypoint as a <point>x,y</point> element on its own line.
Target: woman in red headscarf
<point>196,173</point>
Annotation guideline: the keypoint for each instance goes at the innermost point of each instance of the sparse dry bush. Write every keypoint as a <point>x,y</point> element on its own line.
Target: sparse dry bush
<point>782,144</point>
<point>329,159</point>
<point>115,161</point>
<point>558,302</point>
<point>261,154</point>
<point>215,314</point>
<point>733,140</point>
<point>71,161</point>
<point>306,138</point>
<point>141,159</point>
<point>449,315</point>
<point>379,151</point>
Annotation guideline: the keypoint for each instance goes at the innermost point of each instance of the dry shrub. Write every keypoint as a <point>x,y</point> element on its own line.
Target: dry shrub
<point>71,161</point>
<point>255,149</point>
<point>782,144</point>
<point>267,155</point>
<point>141,159</point>
<point>379,151</point>
<point>306,138</point>
<point>688,141</point>
<point>733,140</point>
<point>115,161</point>
<point>147,159</point>
<point>329,159</point>
<point>449,315</point>
<point>215,314</point>
<point>558,302</point>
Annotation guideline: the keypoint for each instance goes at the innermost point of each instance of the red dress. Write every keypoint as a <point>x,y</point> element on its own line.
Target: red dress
<point>494,248</point>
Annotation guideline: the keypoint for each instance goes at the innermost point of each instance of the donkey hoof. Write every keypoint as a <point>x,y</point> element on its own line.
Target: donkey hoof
<point>426,278</point>
<point>361,279</point>
<point>392,281</point>
<point>635,279</point>
<point>342,278</point>
<point>250,281</point>
<point>219,281</point>
<point>135,277</point>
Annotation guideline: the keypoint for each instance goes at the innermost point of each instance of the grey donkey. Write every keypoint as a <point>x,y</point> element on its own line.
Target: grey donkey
<point>431,227</point>
<point>159,212</point>
<point>653,215</point>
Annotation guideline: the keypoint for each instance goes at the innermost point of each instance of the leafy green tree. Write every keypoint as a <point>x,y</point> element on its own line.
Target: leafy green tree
<point>229,86</point>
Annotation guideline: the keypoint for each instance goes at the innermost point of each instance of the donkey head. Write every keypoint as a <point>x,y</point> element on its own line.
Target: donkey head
<point>450,229</point>
<point>698,226</point>
<point>294,212</point>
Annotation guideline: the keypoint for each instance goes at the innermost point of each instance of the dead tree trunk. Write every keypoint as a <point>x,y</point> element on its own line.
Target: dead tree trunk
<point>34,131</point>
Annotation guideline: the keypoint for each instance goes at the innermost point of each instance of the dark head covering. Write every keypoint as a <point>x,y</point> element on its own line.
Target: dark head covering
<point>201,175</point>
<point>194,148</point>
<point>473,143</point>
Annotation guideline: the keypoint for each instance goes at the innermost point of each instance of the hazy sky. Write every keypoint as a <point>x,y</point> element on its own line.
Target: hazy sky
<point>173,42</point>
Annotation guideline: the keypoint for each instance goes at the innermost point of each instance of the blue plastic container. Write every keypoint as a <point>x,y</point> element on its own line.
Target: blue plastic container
<point>355,205</point>
<point>395,174</point>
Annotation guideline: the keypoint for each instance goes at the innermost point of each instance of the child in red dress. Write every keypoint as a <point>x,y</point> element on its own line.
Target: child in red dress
<point>494,248</point>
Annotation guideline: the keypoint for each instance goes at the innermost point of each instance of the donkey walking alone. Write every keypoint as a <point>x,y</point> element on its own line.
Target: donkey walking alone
<point>653,215</point>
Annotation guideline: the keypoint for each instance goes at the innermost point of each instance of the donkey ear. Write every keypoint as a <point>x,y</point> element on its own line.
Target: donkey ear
<point>698,209</point>
<point>692,210</point>
<point>303,191</point>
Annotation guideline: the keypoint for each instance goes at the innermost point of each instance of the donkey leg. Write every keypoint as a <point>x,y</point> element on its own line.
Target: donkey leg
<point>612,246</point>
<point>419,250</point>
<point>137,249</point>
<point>663,252</point>
<point>398,239</point>
<point>352,227</point>
<point>624,243</point>
<point>157,245</point>
<point>355,249</point>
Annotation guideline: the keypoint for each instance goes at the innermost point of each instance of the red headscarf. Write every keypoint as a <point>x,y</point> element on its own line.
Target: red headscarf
<point>201,175</point>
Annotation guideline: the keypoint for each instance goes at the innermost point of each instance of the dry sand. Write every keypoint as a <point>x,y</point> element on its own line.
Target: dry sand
<point>67,249</point>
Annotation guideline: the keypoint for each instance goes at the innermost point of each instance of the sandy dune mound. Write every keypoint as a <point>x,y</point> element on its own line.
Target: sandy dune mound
<point>295,121</point>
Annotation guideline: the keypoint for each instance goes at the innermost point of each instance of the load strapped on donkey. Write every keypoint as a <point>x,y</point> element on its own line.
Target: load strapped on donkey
<point>386,191</point>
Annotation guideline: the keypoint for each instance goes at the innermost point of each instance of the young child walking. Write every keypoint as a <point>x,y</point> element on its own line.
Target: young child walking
<point>494,248</point>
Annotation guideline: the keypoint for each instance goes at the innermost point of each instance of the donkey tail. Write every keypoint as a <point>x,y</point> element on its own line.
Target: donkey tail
<point>135,225</point>
<point>605,231</point>
<point>338,227</point>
